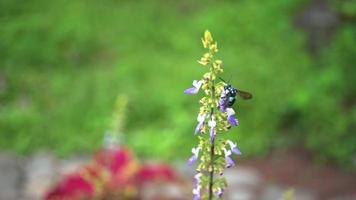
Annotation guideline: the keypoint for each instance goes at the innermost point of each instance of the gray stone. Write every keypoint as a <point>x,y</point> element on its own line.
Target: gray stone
<point>344,198</point>
<point>11,176</point>
<point>274,192</point>
<point>239,194</point>
<point>184,170</point>
<point>41,173</point>
<point>243,177</point>
<point>71,165</point>
<point>163,191</point>
<point>242,183</point>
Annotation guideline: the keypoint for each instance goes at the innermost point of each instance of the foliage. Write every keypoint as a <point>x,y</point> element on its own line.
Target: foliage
<point>62,64</point>
<point>328,111</point>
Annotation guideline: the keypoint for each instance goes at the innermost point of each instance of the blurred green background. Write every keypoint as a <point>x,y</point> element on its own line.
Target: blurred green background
<point>63,63</point>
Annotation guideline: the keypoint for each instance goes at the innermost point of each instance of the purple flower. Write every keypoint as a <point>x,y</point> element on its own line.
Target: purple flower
<point>231,117</point>
<point>234,148</point>
<point>195,155</point>
<point>201,119</point>
<point>220,192</point>
<point>195,88</point>
<point>198,128</point>
<point>196,189</point>
<point>212,124</point>
<point>197,179</point>
<point>196,193</point>
<point>222,101</point>
<point>229,161</point>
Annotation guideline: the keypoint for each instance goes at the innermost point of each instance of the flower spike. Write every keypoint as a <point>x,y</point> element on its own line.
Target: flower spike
<point>213,153</point>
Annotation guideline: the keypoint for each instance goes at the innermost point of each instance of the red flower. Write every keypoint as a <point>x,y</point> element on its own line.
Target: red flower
<point>113,171</point>
<point>156,172</point>
<point>73,187</point>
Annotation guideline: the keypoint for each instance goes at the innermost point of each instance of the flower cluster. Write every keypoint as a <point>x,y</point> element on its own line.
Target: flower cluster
<point>215,117</point>
<point>112,174</point>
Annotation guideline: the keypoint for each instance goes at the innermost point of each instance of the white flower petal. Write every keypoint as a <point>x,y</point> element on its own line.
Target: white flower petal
<point>230,111</point>
<point>201,118</point>
<point>197,84</point>
<point>232,145</point>
<point>227,152</point>
<point>212,123</point>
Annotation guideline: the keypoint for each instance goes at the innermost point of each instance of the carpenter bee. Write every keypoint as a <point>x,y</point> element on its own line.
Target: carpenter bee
<point>230,94</point>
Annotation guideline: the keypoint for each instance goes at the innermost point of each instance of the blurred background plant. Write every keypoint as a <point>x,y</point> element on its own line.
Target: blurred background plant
<point>62,63</point>
<point>112,174</point>
<point>288,195</point>
<point>114,137</point>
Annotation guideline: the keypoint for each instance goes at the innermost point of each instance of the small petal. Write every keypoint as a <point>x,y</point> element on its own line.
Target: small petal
<point>195,88</point>
<point>192,160</point>
<point>196,197</point>
<point>220,192</point>
<point>192,90</point>
<point>212,134</point>
<point>201,118</point>
<point>233,147</point>
<point>194,157</point>
<point>227,152</point>
<point>196,193</point>
<point>197,180</point>
<point>229,162</point>
<point>230,111</point>
<point>236,151</point>
<point>212,123</point>
<point>231,119</point>
<point>198,128</point>
<point>222,101</point>
<point>197,84</point>
<point>222,105</point>
<point>195,151</point>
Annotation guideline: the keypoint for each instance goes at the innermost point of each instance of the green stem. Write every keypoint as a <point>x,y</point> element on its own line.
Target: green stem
<point>211,180</point>
<point>212,147</point>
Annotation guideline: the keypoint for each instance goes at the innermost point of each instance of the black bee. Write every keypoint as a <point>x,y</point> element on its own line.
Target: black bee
<point>231,92</point>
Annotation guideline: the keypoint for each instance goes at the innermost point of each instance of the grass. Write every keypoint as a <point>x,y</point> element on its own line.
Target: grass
<point>64,63</point>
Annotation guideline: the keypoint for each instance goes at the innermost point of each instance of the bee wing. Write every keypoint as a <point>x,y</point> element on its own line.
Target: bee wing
<point>244,95</point>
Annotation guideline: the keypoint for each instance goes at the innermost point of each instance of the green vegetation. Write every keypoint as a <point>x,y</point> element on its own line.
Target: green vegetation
<point>62,64</point>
